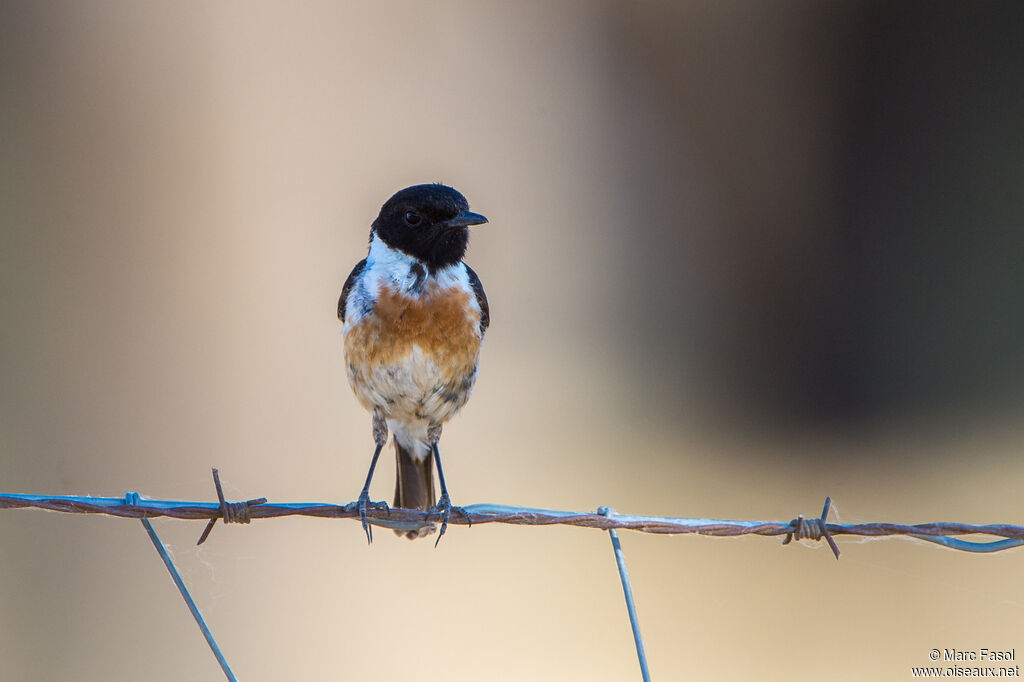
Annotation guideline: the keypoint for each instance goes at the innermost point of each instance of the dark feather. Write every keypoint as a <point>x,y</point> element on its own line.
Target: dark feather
<point>414,486</point>
<point>481,299</point>
<point>349,283</point>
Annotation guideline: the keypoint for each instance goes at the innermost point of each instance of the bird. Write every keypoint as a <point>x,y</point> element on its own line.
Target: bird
<point>413,319</point>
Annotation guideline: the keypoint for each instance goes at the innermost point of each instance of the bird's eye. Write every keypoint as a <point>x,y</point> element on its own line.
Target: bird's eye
<point>412,217</point>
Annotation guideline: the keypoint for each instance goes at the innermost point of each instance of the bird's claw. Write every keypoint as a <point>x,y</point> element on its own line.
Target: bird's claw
<point>362,505</point>
<point>444,509</point>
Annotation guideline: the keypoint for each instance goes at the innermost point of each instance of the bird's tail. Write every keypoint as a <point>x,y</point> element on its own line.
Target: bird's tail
<point>414,486</point>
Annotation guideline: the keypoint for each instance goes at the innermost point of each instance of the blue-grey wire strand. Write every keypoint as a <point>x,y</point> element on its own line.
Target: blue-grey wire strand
<point>176,577</point>
<point>969,546</point>
<point>627,590</point>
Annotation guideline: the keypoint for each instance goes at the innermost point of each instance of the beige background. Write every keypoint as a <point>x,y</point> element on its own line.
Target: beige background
<point>740,257</point>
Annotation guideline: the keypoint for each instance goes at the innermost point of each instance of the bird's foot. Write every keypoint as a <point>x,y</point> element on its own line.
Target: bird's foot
<point>362,505</point>
<point>444,509</point>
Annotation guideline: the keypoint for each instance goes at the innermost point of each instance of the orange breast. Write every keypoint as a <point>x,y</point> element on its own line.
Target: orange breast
<point>440,322</point>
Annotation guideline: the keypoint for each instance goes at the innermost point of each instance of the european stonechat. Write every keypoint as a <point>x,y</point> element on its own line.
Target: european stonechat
<point>414,316</point>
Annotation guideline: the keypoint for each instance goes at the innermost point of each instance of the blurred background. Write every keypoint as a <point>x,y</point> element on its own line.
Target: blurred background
<point>741,255</point>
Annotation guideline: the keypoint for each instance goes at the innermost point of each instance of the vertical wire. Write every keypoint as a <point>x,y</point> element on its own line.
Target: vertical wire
<point>176,577</point>
<point>627,590</point>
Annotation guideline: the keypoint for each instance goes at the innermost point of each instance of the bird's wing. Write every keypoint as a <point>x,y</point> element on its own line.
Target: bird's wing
<point>349,283</point>
<point>481,299</point>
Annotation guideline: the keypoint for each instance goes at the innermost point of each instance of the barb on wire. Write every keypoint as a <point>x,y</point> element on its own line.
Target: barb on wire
<point>231,512</point>
<point>813,529</point>
<point>939,532</point>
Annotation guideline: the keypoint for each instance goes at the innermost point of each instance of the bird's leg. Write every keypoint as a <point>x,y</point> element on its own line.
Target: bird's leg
<point>444,503</point>
<point>380,437</point>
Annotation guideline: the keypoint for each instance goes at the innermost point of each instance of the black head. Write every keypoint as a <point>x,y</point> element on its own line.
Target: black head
<point>428,222</point>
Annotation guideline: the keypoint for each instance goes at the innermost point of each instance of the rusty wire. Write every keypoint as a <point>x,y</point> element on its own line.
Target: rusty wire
<point>479,514</point>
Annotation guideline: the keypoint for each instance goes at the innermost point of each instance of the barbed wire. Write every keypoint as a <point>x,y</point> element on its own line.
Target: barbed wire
<point>134,505</point>
<point>479,514</point>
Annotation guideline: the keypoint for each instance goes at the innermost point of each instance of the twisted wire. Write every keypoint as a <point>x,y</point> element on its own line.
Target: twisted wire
<point>479,514</point>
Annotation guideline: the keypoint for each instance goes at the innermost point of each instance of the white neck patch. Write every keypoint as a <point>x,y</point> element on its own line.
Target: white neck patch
<point>386,266</point>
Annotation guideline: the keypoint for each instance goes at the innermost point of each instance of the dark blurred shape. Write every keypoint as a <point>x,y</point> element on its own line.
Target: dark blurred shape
<point>849,245</point>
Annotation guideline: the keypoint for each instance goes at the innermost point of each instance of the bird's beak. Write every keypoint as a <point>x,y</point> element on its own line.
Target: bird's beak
<point>465,219</point>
